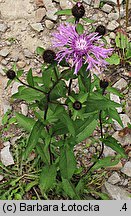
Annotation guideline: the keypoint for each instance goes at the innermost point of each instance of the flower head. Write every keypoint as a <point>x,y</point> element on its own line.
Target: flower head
<point>78,11</point>
<point>80,48</point>
<point>10,74</point>
<point>49,56</point>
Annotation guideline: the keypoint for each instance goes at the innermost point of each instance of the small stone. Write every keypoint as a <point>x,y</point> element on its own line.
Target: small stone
<point>108,151</point>
<point>51,14</point>
<point>6,106</point>
<point>6,156</point>
<point>24,109</point>
<point>39,3</point>
<point>127,169</point>
<point>112,35</point>
<point>66,4</point>
<point>39,14</point>
<point>14,139</point>
<point>116,192</point>
<point>1,177</point>
<point>96,3</point>
<point>3,27</point>
<point>113,16</point>
<point>107,8</point>
<point>15,87</point>
<point>114,178</point>
<point>92,150</point>
<point>21,64</point>
<point>49,24</point>
<point>37,27</point>
<point>121,84</point>
<point>114,2</point>
<point>112,25</point>
<point>6,143</point>
<point>4,62</point>
<point>27,53</point>
<point>124,139</point>
<point>4,52</point>
<point>125,120</point>
<point>2,71</point>
<point>116,99</point>
<point>87,1</point>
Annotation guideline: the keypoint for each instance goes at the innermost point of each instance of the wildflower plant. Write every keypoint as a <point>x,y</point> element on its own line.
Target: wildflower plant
<point>61,117</point>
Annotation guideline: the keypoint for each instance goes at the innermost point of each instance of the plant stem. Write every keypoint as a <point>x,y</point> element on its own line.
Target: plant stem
<point>30,86</point>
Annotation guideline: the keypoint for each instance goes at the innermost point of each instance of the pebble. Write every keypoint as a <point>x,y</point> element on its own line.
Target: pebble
<point>86,1</point>
<point>116,192</point>
<point>39,14</point>
<point>2,71</point>
<point>6,143</point>
<point>113,1</point>
<point>96,3</point>
<point>107,8</point>
<point>113,16</point>
<point>4,62</point>
<point>112,35</point>
<point>39,3</point>
<point>3,27</point>
<point>66,4</point>
<point>116,99</point>
<point>15,87</point>
<point>1,177</point>
<point>21,64</point>
<point>4,52</point>
<point>120,84</point>
<point>49,24</point>
<point>37,27</point>
<point>6,156</point>
<point>92,150</point>
<point>112,25</point>
<point>24,109</point>
<point>27,53</point>
<point>114,178</point>
<point>127,169</point>
<point>108,151</point>
<point>123,140</point>
<point>125,120</point>
<point>51,14</point>
<point>6,106</point>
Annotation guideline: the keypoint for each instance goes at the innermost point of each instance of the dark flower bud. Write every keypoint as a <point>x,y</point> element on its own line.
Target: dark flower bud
<point>78,11</point>
<point>77,105</point>
<point>11,74</point>
<point>101,30</point>
<point>49,56</point>
<point>104,84</point>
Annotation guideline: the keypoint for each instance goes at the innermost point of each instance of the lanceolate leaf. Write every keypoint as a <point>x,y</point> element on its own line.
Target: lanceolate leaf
<point>66,120</point>
<point>67,162</point>
<point>79,28</point>
<point>30,78</point>
<point>87,131</point>
<point>113,143</point>
<point>69,189</point>
<point>114,115</point>
<point>106,162</point>
<point>25,122</point>
<point>64,12</point>
<point>47,178</point>
<point>33,138</point>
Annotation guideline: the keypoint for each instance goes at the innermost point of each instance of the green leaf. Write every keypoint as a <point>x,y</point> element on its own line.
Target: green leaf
<point>98,102</point>
<point>67,162</point>
<point>30,78</point>
<point>113,143</point>
<point>28,94</point>
<point>113,60</point>
<point>88,20</point>
<point>67,121</point>
<point>41,151</point>
<point>79,28</point>
<point>47,178</point>
<point>64,12</point>
<point>69,189</point>
<point>25,122</point>
<point>114,115</point>
<point>33,138</point>
<point>19,73</point>
<point>87,131</point>
<point>105,162</point>
<point>31,185</point>
<point>40,50</point>
<point>71,20</point>
<point>114,91</point>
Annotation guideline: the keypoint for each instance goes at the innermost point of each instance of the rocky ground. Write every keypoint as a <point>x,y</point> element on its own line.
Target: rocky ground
<point>27,24</point>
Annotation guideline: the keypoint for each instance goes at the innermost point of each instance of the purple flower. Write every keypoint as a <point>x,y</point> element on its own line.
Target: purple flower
<point>80,49</point>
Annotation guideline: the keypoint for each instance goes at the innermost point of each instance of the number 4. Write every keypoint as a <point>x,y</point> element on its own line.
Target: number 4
<point>124,207</point>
